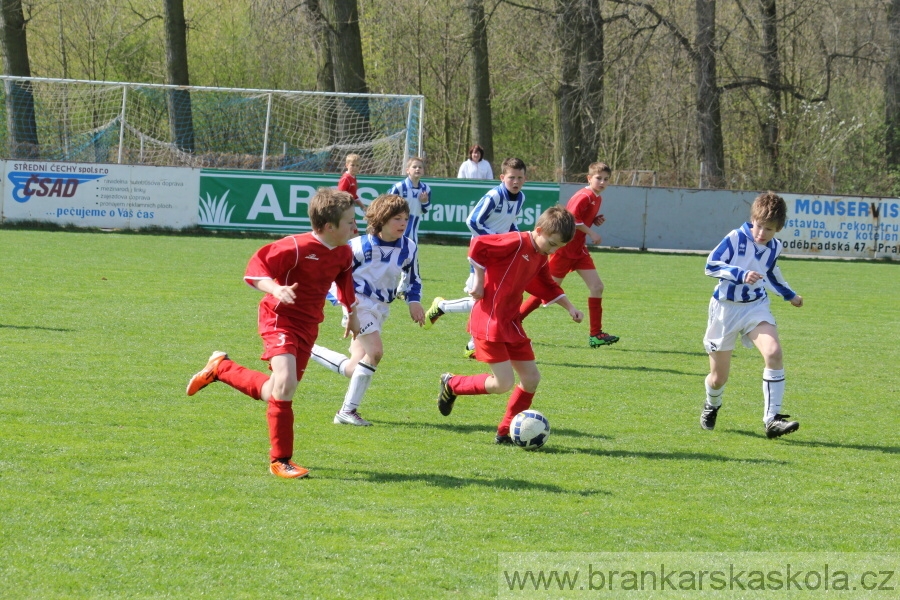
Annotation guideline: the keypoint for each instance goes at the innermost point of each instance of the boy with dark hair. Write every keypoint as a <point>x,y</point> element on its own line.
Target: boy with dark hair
<point>295,273</point>
<point>505,266</point>
<point>584,206</point>
<point>744,263</point>
<point>495,213</point>
<point>379,259</point>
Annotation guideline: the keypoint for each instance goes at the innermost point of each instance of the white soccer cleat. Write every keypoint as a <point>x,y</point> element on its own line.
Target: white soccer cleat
<point>350,418</point>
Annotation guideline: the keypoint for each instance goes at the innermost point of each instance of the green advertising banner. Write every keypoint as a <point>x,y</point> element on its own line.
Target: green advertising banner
<point>277,202</point>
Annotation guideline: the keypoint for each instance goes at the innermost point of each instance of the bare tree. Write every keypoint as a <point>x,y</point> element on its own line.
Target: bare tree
<point>892,87</point>
<point>579,96</point>
<point>342,17</point>
<point>480,81</point>
<point>772,68</point>
<point>709,112</point>
<point>21,122</point>
<point>181,121</point>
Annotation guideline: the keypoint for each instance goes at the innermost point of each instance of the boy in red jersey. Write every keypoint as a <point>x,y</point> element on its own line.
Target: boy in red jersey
<point>505,266</point>
<point>295,274</point>
<point>584,206</point>
<point>347,182</point>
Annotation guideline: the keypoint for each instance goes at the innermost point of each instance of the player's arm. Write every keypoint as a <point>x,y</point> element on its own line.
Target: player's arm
<point>590,233</point>
<point>266,264</point>
<point>425,198</point>
<point>718,264</point>
<point>282,293</point>
<point>576,314</point>
<point>480,214</point>
<point>477,290</point>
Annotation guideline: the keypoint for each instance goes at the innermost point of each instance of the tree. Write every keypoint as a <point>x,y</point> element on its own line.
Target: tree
<point>480,81</point>
<point>21,123</point>
<point>181,121</point>
<point>709,112</point>
<point>579,95</point>
<point>892,87</point>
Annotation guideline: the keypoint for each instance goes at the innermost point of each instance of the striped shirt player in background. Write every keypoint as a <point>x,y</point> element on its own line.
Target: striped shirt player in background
<point>418,196</point>
<point>294,273</point>
<point>506,265</point>
<point>744,263</point>
<point>379,258</point>
<point>585,207</point>
<point>495,213</point>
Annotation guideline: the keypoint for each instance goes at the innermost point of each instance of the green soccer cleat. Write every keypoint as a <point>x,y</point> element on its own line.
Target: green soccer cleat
<point>433,313</point>
<point>602,339</point>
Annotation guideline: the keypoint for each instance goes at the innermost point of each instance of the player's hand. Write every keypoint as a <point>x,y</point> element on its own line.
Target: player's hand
<point>286,294</point>
<point>577,315</point>
<point>797,300</point>
<point>417,313</point>
<point>599,220</point>
<point>352,328</point>
<point>423,198</point>
<point>595,238</point>
<point>752,277</point>
<point>478,291</point>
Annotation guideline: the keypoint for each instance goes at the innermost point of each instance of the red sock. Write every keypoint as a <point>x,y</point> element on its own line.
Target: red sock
<point>242,379</point>
<point>519,400</point>
<point>595,312</point>
<point>529,306</point>
<point>280,415</point>
<point>468,385</point>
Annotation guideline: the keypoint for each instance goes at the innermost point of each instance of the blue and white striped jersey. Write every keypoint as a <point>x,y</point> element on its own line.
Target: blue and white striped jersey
<point>737,254</point>
<point>496,212</point>
<point>406,190</point>
<point>378,266</point>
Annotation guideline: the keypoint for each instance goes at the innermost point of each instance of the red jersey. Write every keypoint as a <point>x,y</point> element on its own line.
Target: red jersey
<point>584,206</point>
<point>512,265</point>
<point>348,184</point>
<point>305,260</point>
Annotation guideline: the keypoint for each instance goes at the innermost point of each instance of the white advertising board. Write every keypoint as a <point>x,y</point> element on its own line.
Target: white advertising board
<point>842,226</point>
<point>100,195</point>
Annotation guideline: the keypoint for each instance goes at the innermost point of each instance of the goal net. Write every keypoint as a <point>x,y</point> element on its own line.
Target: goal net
<point>146,124</point>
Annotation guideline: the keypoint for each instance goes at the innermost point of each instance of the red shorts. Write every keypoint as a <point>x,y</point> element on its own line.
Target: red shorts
<point>497,352</point>
<point>560,266</point>
<point>278,339</point>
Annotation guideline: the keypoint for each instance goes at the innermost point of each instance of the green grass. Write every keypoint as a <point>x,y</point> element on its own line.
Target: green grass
<point>114,484</point>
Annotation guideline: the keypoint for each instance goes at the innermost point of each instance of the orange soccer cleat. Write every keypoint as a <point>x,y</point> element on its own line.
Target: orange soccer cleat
<point>207,375</point>
<point>288,469</point>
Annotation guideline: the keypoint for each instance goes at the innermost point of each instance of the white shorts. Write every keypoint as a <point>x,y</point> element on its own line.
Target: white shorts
<point>728,320</point>
<point>372,314</point>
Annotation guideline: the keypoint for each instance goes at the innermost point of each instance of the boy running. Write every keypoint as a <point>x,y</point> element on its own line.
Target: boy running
<point>379,259</point>
<point>744,263</point>
<point>505,266</point>
<point>495,213</point>
<point>295,274</point>
<point>584,206</point>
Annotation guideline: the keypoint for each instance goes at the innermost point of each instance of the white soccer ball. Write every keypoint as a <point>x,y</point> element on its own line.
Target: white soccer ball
<point>529,429</point>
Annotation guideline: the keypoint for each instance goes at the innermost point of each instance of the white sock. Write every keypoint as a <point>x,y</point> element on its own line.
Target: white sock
<point>714,397</point>
<point>463,305</point>
<point>359,383</point>
<point>331,360</point>
<point>773,393</point>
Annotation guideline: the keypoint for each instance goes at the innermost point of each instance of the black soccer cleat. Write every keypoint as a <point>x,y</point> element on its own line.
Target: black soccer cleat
<point>446,398</point>
<point>708,416</point>
<point>780,426</point>
<point>504,440</point>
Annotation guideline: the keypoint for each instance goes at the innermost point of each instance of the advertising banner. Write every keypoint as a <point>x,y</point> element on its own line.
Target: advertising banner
<point>100,195</point>
<point>842,226</point>
<point>277,202</point>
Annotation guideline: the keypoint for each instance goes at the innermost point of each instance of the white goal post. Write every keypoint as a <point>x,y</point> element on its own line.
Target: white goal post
<point>230,128</point>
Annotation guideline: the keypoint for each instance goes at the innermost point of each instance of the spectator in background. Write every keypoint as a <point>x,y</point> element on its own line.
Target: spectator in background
<point>474,167</point>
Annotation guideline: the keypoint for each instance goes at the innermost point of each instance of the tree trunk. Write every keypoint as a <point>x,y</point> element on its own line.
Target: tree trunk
<point>772,66</point>
<point>480,81</point>
<point>321,42</point>
<point>709,115</point>
<point>892,88</point>
<point>342,17</point>
<point>181,120</point>
<point>21,122</point>
<point>579,97</point>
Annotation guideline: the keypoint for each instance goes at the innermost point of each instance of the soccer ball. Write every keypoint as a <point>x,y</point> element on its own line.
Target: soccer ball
<point>529,429</point>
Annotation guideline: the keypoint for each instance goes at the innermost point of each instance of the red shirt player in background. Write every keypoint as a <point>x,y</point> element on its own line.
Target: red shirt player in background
<point>584,206</point>
<point>295,273</point>
<point>506,265</point>
<point>347,182</point>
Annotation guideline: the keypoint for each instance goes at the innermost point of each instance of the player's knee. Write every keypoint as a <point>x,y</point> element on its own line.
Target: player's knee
<point>596,289</point>
<point>530,383</point>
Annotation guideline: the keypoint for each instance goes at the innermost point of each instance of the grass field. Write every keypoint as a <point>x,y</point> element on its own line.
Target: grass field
<point>114,484</point>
